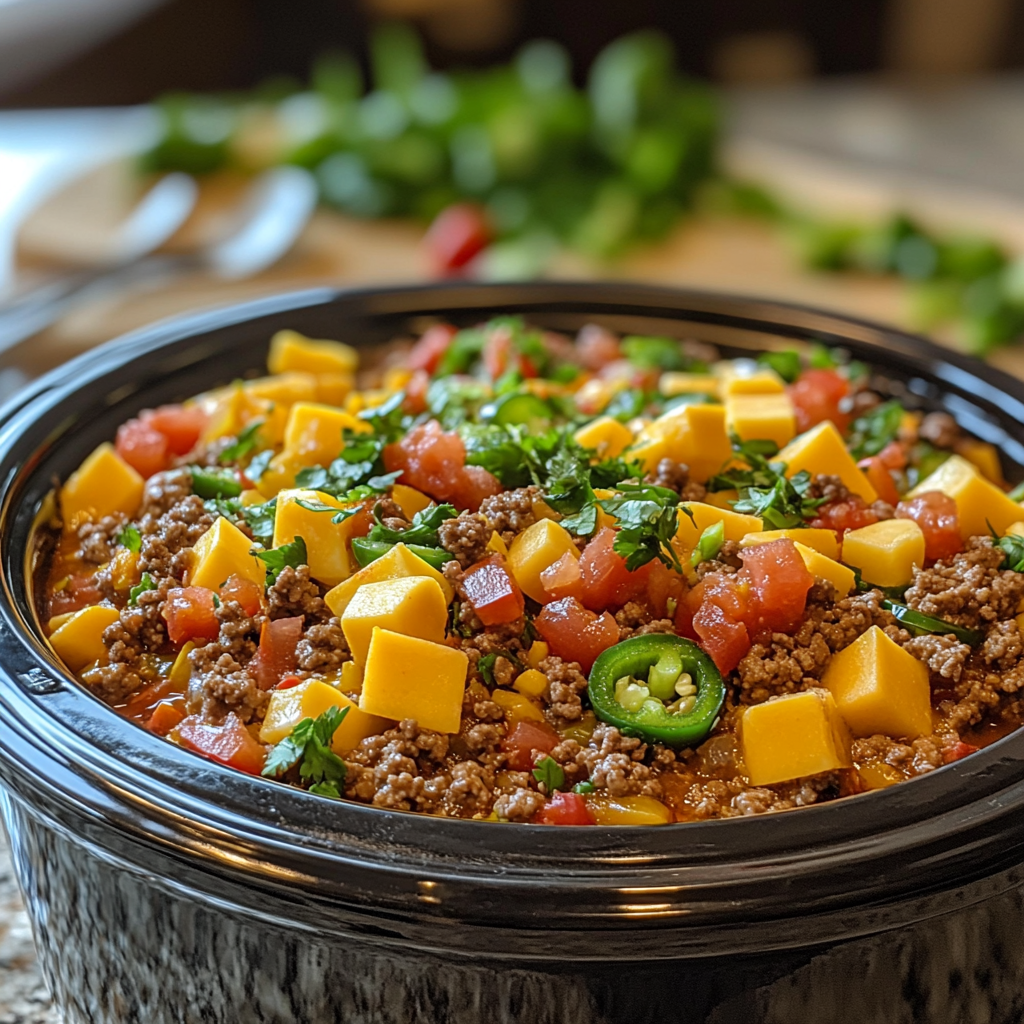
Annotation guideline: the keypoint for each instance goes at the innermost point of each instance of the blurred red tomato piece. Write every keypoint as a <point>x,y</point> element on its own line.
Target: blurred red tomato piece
<point>458,233</point>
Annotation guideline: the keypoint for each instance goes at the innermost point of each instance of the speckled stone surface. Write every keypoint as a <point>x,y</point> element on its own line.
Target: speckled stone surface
<point>23,995</point>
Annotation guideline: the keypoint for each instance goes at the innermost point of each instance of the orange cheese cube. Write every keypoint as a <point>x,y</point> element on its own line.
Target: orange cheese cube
<point>407,677</point>
<point>79,641</point>
<point>672,383</point>
<point>880,688</point>
<point>887,552</point>
<point>284,388</point>
<point>822,450</point>
<point>820,540</point>
<point>737,526</point>
<point>327,552</point>
<point>840,576</point>
<point>738,379</point>
<point>314,432</point>
<point>102,485</point>
<point>290,350</point>
<point>793,736</point>
<point>310,700</point>
<point>756,417</point>
<point>409,500</point>
<point>221,552</point>
<point>280,474</point>
<point>695,435</point>
<point>606,436</point>
<point>533,550</point>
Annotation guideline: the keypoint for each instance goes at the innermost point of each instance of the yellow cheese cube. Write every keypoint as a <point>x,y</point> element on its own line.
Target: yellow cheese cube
<point>821,450</point>
<point>350,678</point>
<point>648,451</point>
<point>102,485</point>
<point>280,474</point>
<point>887,552</point>
<point>672,383</point>
<point>290,350</point>
<point>517,707</point>
<point>606,436</point>
<point>628,810</point>
<point>828,569</point>
<point>407,677</point>
<point>978,501</point>
<point>397,563</point>
<point>880,688</point>
<point>80,640</point>
<point>739,380</point>
<point>310,700</point>
<point>695,435</point>
<point>251,496</point>
<point>327,550</point>
<point>531,683</point>
<point>820,540</point>
<point>230,410</point>
<point>284,388</point>
<point>221,552</point>
<point>737,525</point>
<point>409,500</point>
<point>57,621</point>
<point>722,499</point>
<point>334,388</point>
<point>759,417</point>
<point>985,456</point>
<point>413,606</point>
<point>536,548</point>
<point>314,432</point>
<point>1016,529</point>
<point>793,736</point>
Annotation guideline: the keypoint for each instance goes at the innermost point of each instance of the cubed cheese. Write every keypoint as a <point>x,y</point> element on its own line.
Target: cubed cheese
<point>840,576</point>
<point>985,456</point>
<point>821,450</point>
<point>310,700</point>
<point>334,388</point>
<point>737,379</point>
<point>606,436</point>
<point>394,564</point>
<point>887,552</point>
<point>284,388</point>
<point>820,540</point>
<point>79,641</point>
<point>628,810</point>
<point>1016,529</point>
<point>533,550</point>
<point>221,552</point>
<point>314,432</point>
<point>407,677</point>
<point>880,688</point>
<point>737,526</point>
<point>648,450</point>
<point>793,736</point>
<point>290,350</point>
<point>978,501</point>
<point>327,552</point>
<point>672,383</point>
<point>695,435</point>
<point>409,500</point>
<point>412,605</point>
<point>102,485</point>
<point>757,417</point>
<point>280,474</point>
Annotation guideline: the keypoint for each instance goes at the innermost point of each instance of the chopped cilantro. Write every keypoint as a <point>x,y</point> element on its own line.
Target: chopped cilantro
<point>628,404</point>
<point>130,538</point>
<point>878,427</point>
<point>260,519</point>
<point>388,420</point>
<point>786,363</point>
<point>822,358</point>
<point>583,788</point>
<point>648,517</point>
<point>276,559</point>
<point>215,483</point>
<point>652,353</point>
<point>144,584</point>
<point>549,773</point>
<point>309,747</point>
<point>1012,547</point>
<point>246,442</point>
<point>422,530</point>
<point>463,352</point>
<point>709,544</point>
<point>360,464</point>
<point>258,465</point>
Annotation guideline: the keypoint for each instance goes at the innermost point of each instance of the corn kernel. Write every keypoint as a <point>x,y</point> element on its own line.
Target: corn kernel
<point>532,682</point>
<point>517,707</point>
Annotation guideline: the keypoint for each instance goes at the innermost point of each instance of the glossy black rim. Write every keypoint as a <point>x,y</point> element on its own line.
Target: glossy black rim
<point>60,747</point>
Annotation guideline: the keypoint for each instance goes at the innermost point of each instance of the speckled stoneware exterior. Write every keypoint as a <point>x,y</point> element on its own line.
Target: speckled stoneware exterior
<point>165,889</point>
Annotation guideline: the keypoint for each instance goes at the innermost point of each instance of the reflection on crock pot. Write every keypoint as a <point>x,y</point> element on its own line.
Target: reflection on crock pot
<point>512,575</point>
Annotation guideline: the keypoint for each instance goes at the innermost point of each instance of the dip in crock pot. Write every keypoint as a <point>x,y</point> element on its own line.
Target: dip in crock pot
<point>516,576</point>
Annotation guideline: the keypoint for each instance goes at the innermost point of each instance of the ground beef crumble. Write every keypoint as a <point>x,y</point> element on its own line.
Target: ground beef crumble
<point>295,593</point>
<point>511,512</point>
<point>98,540</point>
<point>466,537</point>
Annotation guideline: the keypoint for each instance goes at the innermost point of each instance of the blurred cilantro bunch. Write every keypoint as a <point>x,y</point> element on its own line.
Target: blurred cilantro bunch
<point>594,170</point>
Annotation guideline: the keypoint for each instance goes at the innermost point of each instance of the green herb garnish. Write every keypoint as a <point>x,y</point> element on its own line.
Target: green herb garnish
<point>276,559</point>
<point>130,538</point>
<point>874,430</point>
<point>309,747</point>
<point>785,363</point>
<point>258,464</point>
<point>648,518</point>
<point>146,583</point>
<point>246,442</point>
<point>549,773</point>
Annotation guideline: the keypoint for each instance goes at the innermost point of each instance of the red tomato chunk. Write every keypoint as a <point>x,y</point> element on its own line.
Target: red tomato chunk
<point>142,447</point>
<point>880,478</point>
<point>247,593</point>
<point>231,743</point>
<point>190,615</point>
<point>180,424</point>
<point>574,633</point>
<point>936,514</point>
<point>816,396</point>
<point>565,809</point>
<point>495,596</point>
<point>458,233</point>
<point>849,514</point>
<point>527,743</point>
<point>276,656</point>
<point>606,581</point>
<point>427,352</point>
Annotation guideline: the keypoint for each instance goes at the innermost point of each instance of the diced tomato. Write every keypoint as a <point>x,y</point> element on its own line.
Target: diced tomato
<point>894,455</point>
<point>165,717</point>
<point>141,704</point>
<point>880,478</point>
<point>564,809</point>
<point>722,637</point>
<point>432,345</point>
<point>79,592</point>
<point>665,589</point>
<point>190,614</point>
<point>247,593</point>
<point>416,393</point>
<point>562,579</point>
<point>459,232</point>
<point>937,516</point>
<point>231,743</point>
<point>433,461</point>
<point>276,657</point>
<point>687,608</point>
<point>597,347</point>
<point>574,633</point>
<point>779,581</point>
<point>180,424</point>
<point>143,447</point>
<point>526,738</point>
<point>849,514</point>
<point>957,751</point>
<point>493,593</point>
<point>288,682</point>
<point>498,354</point>
<point>816,395</point>
<point>606,581</point>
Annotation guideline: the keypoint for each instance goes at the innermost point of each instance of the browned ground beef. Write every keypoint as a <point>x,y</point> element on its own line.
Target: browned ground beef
<point>511,512</point>
<point>466,537</point>
<point>97,540</point>
<point>294,593</point>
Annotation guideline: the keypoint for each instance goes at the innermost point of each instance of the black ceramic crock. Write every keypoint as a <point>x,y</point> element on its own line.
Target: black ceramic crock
<point>165,889</point>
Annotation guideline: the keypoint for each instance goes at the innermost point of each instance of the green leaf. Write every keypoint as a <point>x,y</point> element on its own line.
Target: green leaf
<point>549,773</point>
<point>276,559</point>
<point>709,544</point>
<point>584,523</point>
<point>584,788</point>
<point>786,363</point>
<point>247,441</point>
<point>1012,547</point>
<point>653,353</point>
<point>485,666</point>
<point>260,519</point>
<point>258,465</point>
<point>130,538</point>
<point>822,358</point>
<point>878,427</point>
<point>648,517</point>
<point>1017,494</point>
<point>309,747</point>
<point>144,584</point>
<point>215,483</point>
<point>422,531</point>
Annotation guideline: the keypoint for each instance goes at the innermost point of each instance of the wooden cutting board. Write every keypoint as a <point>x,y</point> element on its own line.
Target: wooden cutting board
<point>725,254</point>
